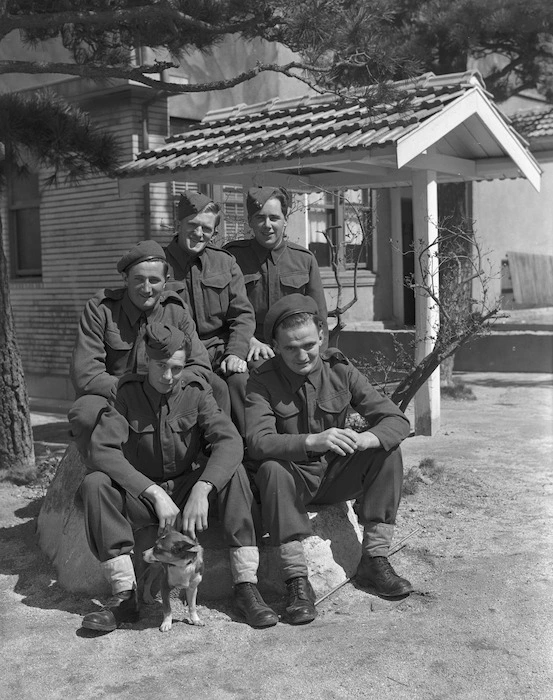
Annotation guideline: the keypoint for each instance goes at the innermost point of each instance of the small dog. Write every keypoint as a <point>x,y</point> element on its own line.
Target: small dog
<point>178,561</point>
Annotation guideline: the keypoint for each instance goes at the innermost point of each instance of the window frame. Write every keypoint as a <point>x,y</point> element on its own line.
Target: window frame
<point>17,204</point>
<point>333,205</point>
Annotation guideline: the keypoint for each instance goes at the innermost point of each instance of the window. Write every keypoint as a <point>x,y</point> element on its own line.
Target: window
<point>24,225</point>
<point>234,216</point>
<point>347,220</point>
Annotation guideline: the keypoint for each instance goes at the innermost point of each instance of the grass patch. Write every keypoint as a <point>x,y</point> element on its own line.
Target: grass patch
<point>428,471</point>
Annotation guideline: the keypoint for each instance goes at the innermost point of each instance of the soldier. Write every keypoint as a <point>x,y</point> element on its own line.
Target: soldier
<point>110,337</point>
<point>274,267</point>
<point>213,286</point>
<point>296,407</point>
<point>147,468</point>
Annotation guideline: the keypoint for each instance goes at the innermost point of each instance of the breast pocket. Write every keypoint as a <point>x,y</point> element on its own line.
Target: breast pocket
<point>333,409</point>
<point>141,439</point>
<point>186,436</point>
<point>287,417</point>
<point>216,294</point>
<point>294,282</point>
<point>251,280</point>
<point>114,341</point>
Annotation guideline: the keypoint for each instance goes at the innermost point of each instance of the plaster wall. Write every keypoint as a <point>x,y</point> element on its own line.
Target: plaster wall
<point>510,215</point>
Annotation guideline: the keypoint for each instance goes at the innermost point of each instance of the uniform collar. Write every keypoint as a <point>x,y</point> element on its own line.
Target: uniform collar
<point>156,399</point>
<point>264,253</point>
<point>297,380</point>
<point>132,311</point>
<point>183,259</point>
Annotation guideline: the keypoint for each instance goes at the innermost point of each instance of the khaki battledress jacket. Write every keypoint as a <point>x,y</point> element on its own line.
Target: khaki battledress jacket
<point>213,287</point>
<point>148,437</point>
<point>270,275</point>
<point>283,407</point>
<point>110,339</point>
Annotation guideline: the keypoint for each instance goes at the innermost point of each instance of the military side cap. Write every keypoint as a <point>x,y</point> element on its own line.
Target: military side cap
<point>285,307</point>
<point>163,341</point>
<point>192,203</point>
<point>145,250</point>
<point>257,196</point>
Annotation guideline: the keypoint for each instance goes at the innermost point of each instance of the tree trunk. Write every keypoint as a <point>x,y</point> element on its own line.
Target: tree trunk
<point>446,371</point>
<point>16,436</point>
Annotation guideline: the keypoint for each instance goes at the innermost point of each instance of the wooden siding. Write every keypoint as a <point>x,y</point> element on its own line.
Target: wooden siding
<point>85,228</point>
<point>532,277</point>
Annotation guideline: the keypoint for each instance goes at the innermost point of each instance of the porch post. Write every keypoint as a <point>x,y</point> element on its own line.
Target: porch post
<point>427,317</point>
<point>398,286</point>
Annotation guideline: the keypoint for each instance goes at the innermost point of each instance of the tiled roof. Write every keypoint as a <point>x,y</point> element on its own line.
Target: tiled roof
<point>533,124</point>
<point>303,127</point>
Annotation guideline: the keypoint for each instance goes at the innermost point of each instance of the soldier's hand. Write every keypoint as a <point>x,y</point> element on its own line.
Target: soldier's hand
<point>337,440</point>
<point>366,441</point>
<point>232,364</point>
<point>195,512</point>
<point>259,351</point>
<point>165,507</point>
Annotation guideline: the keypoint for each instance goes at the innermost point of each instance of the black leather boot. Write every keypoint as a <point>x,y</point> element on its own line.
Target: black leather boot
<point>252,606</point>
<point>122,607</point>
<point>378,575</point>
<point>300,601</point>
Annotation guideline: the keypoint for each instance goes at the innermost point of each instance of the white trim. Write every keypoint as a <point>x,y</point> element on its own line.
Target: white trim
<point>396,242</point>
<point>437,127</point>
<point>427,315</point>
<point>461,167</point>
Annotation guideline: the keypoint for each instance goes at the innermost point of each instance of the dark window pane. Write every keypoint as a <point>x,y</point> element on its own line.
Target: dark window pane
<point>24,188</point>
<point>28,249</point>
<point>24,229</point>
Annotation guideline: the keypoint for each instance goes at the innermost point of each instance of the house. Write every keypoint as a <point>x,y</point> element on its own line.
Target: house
<point>62,242</point>
<point>448,132</point>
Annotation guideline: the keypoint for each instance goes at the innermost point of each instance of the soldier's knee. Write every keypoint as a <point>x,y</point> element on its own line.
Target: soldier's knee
<point>269,470</point>
<point>83,414</point>
<point>94,483</point>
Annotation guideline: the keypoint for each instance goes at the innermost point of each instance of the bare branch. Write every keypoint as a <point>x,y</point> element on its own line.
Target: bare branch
<point>96,71</point>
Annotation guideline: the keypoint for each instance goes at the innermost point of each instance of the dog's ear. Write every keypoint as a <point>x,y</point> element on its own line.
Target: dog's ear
<point>183,547</point>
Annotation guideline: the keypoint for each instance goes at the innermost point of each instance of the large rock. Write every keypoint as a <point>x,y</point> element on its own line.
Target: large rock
<point>61,531</point>
<point>332,552</point>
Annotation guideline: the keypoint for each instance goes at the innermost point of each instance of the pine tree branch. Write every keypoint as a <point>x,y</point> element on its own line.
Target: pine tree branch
<point>96,71</point>
<point>112,18</point>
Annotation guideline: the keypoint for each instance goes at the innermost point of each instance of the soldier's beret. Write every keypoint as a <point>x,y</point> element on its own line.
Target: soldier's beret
<point>145,250</point>
<point>257,196</point>
<point>163,341</point>
<point>192,203</point>
<point>285,307</point>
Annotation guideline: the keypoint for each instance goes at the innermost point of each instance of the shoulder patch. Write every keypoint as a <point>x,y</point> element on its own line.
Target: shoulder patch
<point>295,246</point>
<point>171,296</point>
<point>267,366</point>
<point>219,250</point>
<point>128,378</point>
<point>190,378</point>
<point>333,356</point>
<point>115,294</point>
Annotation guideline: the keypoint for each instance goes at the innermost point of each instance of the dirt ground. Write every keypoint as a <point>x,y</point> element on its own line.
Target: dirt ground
<point>480,624</point>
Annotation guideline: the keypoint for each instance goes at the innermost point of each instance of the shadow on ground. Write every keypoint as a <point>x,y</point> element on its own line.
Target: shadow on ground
<point>510,380</point>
